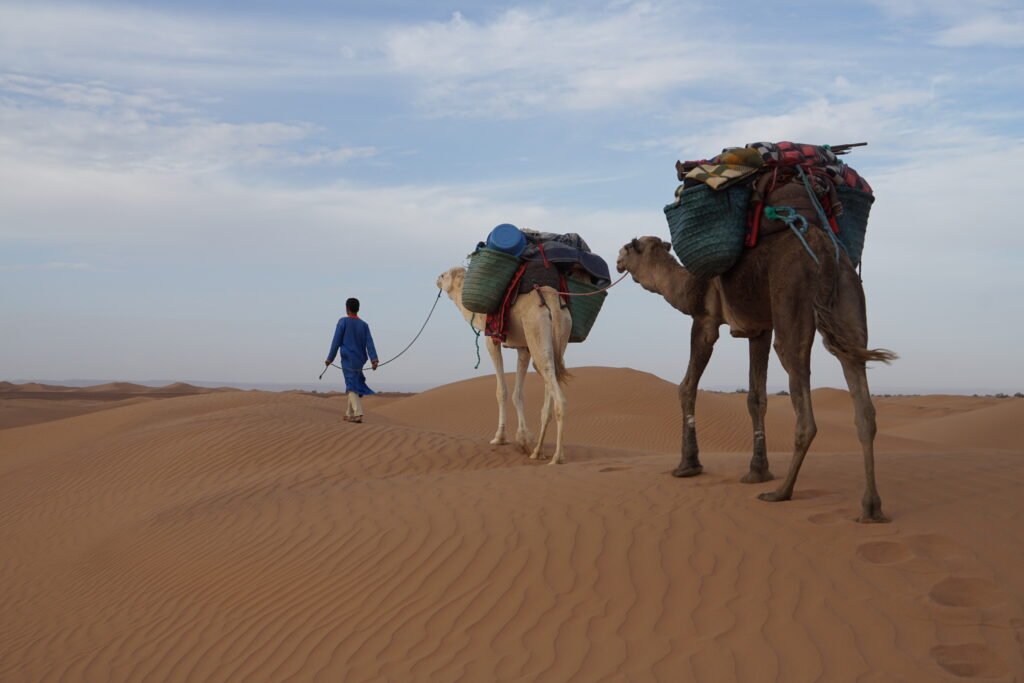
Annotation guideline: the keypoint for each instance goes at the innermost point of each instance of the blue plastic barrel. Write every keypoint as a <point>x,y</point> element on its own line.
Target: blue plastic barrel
<point>507,238</point>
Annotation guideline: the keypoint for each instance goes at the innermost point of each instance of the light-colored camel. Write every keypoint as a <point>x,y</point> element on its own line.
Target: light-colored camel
<point>777,288</point>
<point>538,328</point>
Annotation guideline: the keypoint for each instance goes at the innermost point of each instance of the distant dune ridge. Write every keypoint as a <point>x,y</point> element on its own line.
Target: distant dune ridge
<point>183,534</point>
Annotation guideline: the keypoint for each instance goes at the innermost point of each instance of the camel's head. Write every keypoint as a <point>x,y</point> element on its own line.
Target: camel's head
<point>451,280</point>
<point>633,253</point>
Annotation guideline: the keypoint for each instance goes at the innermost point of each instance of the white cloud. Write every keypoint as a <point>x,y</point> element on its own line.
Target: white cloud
<point>98,125</point>
<point>139,45</point>
<point>49,265</point>
<point>994,30</point>
<point>526,59</point>
<point>330,156</point>
<point>992,23</point>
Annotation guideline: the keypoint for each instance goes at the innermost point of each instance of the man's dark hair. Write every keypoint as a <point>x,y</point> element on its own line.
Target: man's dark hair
<point>352,305</point>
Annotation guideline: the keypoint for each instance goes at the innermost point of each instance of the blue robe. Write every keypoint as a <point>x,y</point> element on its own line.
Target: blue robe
<point>352,336</point>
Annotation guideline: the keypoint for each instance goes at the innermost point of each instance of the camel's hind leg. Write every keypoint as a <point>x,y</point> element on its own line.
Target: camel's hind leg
<point>501,392</point>
<point>757,405</point>
<point>543,351</point>
<point>558,403</point>
<point>864,417</point>
<point>523,436</point>
<point>795,354</point>
<point>545,420</point>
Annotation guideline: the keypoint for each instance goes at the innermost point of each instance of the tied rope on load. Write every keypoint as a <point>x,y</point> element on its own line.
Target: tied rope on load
<point>595,292</point>
<point>400,353</point>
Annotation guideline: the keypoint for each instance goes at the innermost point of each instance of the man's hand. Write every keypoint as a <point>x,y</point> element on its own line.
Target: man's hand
<point>374,363</point>
<point>327,362</point>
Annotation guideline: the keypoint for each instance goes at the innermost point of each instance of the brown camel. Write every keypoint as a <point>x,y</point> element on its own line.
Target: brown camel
<point>777,288</point>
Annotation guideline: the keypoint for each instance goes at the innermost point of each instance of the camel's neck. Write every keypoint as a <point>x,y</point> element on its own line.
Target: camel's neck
<point>668,278</point>
<point>475,319</point>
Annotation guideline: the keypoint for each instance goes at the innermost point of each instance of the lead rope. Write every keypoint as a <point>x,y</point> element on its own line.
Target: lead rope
<point>407,346</point>
<point>598,291</point>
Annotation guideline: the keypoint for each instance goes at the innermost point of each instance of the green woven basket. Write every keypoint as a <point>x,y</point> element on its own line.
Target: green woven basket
<point>487,278</point>
<point>708,228</point>
<point>584,309</point>
<point>853,223</point>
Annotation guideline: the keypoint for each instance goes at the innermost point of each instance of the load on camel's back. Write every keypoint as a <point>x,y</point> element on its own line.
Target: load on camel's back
<point>768,236</point>
<point>534,292</point>
<point>732,200</point>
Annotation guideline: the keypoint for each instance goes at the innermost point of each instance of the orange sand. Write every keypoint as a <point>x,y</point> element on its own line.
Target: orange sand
<point>255,536</point>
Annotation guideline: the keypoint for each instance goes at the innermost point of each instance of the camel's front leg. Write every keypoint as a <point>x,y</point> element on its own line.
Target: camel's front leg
<point>501,392</point>
<point>757,405</point>
<point>703,336</point>
<point>523,436</point>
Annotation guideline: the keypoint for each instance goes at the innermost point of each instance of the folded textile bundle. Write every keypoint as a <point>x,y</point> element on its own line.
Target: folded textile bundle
<point>736,163</point>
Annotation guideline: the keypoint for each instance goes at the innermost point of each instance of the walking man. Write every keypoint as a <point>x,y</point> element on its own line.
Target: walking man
<point>352,337</point>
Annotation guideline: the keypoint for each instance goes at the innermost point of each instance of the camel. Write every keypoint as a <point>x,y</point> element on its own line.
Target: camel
<point>774,288</point>
<point>538,328</point>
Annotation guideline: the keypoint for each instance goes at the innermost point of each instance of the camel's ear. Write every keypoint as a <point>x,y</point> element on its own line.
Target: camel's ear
<point>666,245</point>
<point>636,245</point>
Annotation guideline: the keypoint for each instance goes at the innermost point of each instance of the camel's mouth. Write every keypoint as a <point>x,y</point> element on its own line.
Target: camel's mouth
<point>619,267</point>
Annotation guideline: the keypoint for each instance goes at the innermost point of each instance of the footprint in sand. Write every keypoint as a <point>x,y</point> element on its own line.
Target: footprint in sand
<point>832,517</point>
<point>965,592</point>
<point>969,660</point>
<point>884,552</point>
<point>924,546</point>
<point>612,469</point>
<point>935,547</point>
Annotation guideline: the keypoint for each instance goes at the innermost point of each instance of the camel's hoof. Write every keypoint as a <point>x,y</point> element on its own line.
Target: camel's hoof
<point>557,462</point>
<point>538,456</point>
<point>691,471</point>
<point>874,518</point>
<point>775,496</point>
<point>757,477</point>
<point>871,513</point>
<point>498,441</point>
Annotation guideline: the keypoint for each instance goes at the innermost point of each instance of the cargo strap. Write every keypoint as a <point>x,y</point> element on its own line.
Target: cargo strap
<point>825,225</point>
<point>796,222</point>
<point>477,333</point>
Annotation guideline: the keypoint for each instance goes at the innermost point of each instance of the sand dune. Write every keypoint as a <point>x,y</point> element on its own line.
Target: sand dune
<point>32,403</point>
<point>255,536</point>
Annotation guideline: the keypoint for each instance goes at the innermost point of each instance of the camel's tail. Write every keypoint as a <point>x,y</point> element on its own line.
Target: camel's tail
<point>553,301</point>
<point>839,339</point>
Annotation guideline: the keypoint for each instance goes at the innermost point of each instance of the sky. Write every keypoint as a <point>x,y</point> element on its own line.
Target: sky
<point>190,190</point>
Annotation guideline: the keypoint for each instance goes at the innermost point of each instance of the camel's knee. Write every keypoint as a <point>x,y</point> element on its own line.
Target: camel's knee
<point>805,435</point>
<point>867,427</point>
